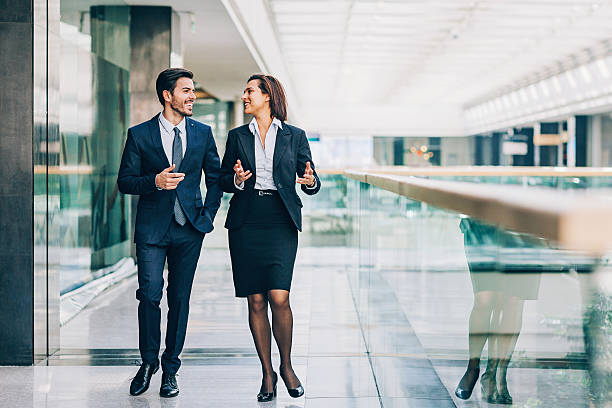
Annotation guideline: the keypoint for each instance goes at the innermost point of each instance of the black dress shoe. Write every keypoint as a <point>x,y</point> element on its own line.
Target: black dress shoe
<point>169,387</point>
<point>466,385</point>
<point>141,382</point>
<point>267,396</point>
<point>293,392</point>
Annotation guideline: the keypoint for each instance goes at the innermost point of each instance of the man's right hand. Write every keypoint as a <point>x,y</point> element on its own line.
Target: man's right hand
<point>167,180</point>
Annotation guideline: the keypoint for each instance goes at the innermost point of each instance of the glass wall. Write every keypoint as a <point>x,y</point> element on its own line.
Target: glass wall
<point>440,293</point>
<point>555,182</point>
<point>89,221</point>
<point>326,220</point>
<point>601,125</point>
<point>424,151</point>
<point>216,114</point>
<point>44,141</point>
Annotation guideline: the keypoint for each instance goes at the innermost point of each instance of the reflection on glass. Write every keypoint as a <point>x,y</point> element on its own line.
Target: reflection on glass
<point>89,228</point>
<point>520,304</point>
<point>497,314</point>
<point>326,220</point>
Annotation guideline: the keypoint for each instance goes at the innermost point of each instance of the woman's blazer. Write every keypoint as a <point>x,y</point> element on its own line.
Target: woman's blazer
<point>291,152</point>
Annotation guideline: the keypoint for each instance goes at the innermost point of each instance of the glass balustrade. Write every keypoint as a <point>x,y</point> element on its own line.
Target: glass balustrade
<point>442,293</point>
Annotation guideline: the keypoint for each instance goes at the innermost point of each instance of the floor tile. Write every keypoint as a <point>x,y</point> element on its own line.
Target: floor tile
<point>364,402</point>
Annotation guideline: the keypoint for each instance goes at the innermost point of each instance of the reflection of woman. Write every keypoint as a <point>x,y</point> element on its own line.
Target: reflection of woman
<point>497,313</point>
<point>259,166</point>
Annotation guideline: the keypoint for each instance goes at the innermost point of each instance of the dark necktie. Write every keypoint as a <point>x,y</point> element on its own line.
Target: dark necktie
<point>177,158</point>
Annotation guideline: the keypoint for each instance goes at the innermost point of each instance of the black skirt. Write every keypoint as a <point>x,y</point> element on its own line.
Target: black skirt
<point>263,249</point>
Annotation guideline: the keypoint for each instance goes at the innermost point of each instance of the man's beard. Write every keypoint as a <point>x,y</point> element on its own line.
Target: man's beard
<point>179,111</point>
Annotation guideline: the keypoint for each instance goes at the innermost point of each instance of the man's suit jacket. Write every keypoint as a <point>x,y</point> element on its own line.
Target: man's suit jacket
<point>144,157</point>
<point>291,152</point>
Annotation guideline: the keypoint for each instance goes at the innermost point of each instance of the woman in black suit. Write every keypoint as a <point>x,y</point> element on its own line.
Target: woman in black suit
<point>260,165</point>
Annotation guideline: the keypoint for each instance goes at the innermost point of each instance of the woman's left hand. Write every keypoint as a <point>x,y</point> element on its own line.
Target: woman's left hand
<point>308,179</point>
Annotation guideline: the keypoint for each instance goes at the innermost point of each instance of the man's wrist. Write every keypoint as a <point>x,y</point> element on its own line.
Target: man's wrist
<point>156,185</point>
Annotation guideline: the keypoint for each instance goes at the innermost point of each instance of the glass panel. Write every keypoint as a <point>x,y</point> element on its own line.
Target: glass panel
<point>39,147</point>
<point>90,220</point>
<point>561,183</point>
<point>443,294</point>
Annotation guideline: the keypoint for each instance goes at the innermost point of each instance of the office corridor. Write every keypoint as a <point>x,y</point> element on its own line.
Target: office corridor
<point>99,353</point>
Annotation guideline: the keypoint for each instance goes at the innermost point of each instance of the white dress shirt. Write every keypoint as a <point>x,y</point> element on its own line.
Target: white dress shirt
<point>167,135</point>
<point>264,157</point>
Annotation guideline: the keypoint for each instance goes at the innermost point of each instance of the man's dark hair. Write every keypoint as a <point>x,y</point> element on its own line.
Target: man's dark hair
<point>166,81</point>
<point>272,87</point>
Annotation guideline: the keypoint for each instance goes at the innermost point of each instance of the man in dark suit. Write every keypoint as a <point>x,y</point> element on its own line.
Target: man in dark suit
<point>162,162</point>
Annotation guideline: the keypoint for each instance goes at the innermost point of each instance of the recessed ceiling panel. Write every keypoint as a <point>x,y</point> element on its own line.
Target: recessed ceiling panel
<point>424,50</point>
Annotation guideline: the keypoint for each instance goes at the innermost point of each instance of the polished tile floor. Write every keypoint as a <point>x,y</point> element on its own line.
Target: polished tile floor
<point>99,353</point>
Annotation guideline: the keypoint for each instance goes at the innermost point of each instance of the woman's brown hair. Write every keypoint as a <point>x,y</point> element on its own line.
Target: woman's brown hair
<point>272,87</point>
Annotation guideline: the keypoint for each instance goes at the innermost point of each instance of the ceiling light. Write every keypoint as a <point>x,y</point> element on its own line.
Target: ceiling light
<point>556,84</point>
<point>570,78</point>
<point>586,75</point>
<point>603,68</point>
<point>534,91</point>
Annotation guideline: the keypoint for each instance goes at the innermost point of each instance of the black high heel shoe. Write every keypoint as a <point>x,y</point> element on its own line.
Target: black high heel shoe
<point>293,392</point>
<point>296,392</point>
<point>465,392</point>
<point>267,396</point>
<point>488,388</point>
<point>504,396</point>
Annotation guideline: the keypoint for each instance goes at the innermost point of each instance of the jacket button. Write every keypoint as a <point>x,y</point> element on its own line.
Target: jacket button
<point>280,186</point>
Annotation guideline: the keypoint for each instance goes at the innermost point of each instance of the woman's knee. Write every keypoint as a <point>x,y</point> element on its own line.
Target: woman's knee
<point>257,303</point>
<point>279,300</point>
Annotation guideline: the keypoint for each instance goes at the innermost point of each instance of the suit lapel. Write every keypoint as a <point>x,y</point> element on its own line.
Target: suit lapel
<point>156,139</point>
<point>247,144</point>
<point>283,139</point>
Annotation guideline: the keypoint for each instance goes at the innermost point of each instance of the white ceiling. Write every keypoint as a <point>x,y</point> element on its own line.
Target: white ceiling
<point>418,52</point>
<point>388,67</point>
<point>214,49</point>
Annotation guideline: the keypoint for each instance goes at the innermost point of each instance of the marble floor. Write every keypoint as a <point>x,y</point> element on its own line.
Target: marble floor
<point>99,355</point>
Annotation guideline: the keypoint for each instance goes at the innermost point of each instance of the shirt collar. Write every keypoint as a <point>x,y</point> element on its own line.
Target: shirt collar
<point>169,126</point>
<point>255,129</point>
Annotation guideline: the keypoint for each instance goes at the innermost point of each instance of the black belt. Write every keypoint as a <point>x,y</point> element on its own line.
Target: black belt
<point>263,193</point>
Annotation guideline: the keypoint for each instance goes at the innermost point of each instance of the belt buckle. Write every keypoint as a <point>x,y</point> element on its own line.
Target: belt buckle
<point>264,193</point>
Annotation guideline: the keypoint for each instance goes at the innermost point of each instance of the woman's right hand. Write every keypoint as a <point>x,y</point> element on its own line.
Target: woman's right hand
<point>241,175</point>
